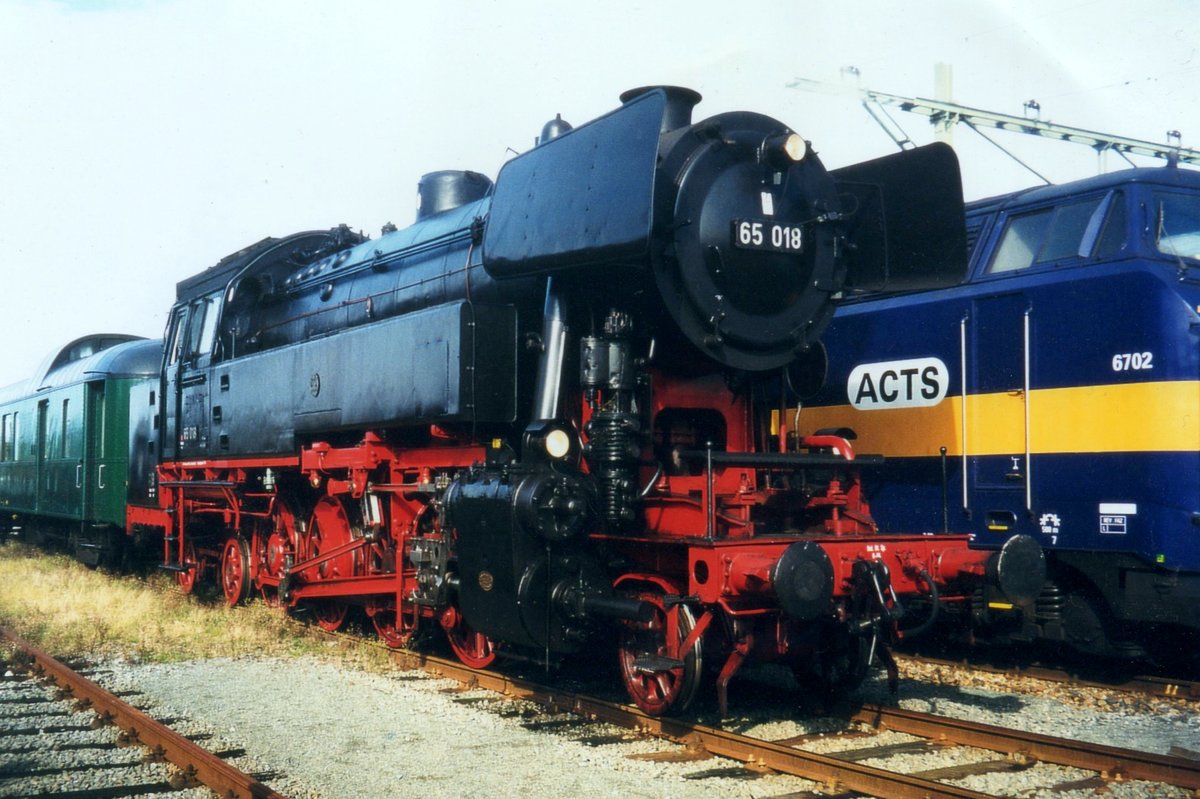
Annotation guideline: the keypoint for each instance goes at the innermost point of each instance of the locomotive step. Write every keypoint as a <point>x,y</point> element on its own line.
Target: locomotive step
<point>652,664</point>
<point>175,567</point>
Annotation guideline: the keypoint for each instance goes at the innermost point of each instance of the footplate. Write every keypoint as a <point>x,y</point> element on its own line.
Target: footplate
<point>652,664</point>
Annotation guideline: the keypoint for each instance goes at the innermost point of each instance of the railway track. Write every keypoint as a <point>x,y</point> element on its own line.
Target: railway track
<point>869,734</point>
<point>843,771</point>
<point>1147,685</point>
<point>34,722</point>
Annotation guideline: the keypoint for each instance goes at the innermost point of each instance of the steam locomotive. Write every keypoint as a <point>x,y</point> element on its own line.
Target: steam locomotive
<point>555,405</point>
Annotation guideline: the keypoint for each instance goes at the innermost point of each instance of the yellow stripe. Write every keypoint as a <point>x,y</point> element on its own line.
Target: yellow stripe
<point>1129,417</point>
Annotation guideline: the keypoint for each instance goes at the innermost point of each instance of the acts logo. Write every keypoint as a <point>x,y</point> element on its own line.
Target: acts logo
<point>914,383</point>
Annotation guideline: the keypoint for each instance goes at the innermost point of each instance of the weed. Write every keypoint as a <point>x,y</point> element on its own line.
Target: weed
<point>68,608</point>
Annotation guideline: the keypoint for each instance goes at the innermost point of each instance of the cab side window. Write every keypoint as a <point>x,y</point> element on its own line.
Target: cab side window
<point>194,331</point>
<point>1056,233</point>
<point>1177,224</point>
<point>1112,236</point>
<point>175,346</point>
<point>204,326</point>
<point>1022,238</point>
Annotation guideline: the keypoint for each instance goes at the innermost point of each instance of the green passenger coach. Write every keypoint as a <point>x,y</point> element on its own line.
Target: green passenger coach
<point>66,444</point>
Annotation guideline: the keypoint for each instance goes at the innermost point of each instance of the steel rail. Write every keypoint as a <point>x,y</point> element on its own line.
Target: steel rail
<point>1179,688</point>
<point>1110,762</point>
<point>831,773</point>
<point>194,761</point>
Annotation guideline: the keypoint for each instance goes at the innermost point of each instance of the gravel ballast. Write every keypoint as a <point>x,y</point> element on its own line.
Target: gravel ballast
<point>337,732</point>
<point>317,729</point>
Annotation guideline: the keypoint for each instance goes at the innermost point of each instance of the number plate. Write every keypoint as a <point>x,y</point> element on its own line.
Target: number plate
<point>752,234</point>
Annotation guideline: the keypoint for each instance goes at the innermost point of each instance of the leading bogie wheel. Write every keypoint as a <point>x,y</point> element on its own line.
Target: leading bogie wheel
<point>235,571</point>
<point>659,677</point>
<point>188,578</point>
<point>471,647</point>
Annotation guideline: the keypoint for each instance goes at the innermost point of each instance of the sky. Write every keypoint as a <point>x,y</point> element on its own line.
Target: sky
<point>143,140</point>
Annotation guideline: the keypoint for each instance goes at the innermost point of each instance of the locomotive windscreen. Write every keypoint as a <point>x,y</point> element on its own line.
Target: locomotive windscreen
<point>584,197</point>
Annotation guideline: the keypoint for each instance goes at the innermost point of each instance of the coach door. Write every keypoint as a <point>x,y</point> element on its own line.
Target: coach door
<point>998,410</point>
<point>45,492</point>
<point>189,353</point>
<point>105,455</point>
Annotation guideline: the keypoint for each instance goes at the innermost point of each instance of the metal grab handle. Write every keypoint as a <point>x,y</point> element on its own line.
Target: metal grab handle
<point>79,475</point>
<point>100,476</point>
<point>962,360</point>
<point>1028,453</point>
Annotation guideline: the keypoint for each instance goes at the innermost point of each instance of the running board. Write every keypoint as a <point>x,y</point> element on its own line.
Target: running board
<point>175,567</point>
<point>652,664</point>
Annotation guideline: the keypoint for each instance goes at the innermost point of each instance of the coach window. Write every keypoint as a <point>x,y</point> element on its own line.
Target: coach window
<point>1050,234</point>
<point>62,439</point>
<point>6,437</point>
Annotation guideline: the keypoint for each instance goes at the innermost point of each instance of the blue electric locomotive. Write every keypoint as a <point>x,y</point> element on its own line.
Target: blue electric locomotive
<point>1056,392</point>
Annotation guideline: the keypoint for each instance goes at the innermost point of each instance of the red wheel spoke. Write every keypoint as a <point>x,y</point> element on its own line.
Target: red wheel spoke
<point>656,687</point>
<point>235,571</point>
<point>187,579</point>
<point>330,614</point>
<point>471,647</point>
<point>394,631</point>
<point>330,528</point>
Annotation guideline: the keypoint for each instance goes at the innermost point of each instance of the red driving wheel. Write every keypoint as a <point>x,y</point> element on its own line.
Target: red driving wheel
<point>395,630</point>
<point>235,571</point>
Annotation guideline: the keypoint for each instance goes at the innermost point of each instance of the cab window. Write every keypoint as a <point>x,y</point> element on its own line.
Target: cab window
<point>1022,237</point>
<point>1050,234</point>
<point>1177,224</point>
<point>175,347</point>
<point>204,326</point>
<point>194,330</point>
<point>1112,236</point>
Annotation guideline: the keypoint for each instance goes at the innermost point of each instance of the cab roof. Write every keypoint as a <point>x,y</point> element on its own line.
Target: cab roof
<point>1173,177</point>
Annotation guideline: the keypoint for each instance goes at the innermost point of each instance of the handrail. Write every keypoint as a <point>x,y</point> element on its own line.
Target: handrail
<point>1028,459</point>
<point>779,460</point>
<point>962,363</point>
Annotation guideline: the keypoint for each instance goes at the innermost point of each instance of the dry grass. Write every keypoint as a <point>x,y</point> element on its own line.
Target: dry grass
<point>68,609</point>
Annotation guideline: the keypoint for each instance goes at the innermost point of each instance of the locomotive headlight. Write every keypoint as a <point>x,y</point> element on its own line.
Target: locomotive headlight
<point>549,440</point>
<point>785,149</point>
<point>557,443</point>
<point>795,147</point>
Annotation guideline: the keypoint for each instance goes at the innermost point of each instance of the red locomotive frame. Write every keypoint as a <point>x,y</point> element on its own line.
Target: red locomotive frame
<point>700,559</point>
